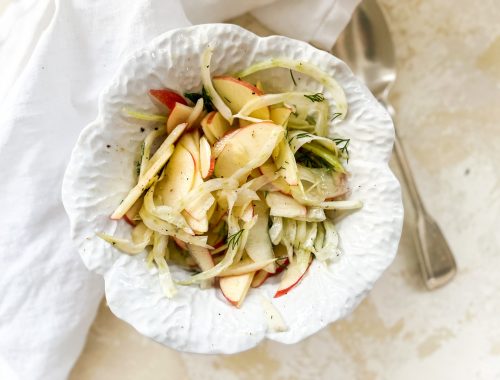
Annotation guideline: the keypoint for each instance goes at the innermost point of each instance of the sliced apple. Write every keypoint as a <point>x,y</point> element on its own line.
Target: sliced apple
<point>235,288</point>
<point>200,206</point>
<point>179,114</point>
<point>191,141</point>
<point>250,145</point>
<point>204,260</point>
<point>292,276</point>
<point>214,126</point>
<point>236,93</point>
<point>247,213</point>
<point>167,98</point>
<point>285,206</point>
<point>259,246</point>
<point>207,162</point>
<point>269,169</point>
<point>285,162</point>
<point>199,226</point>
<point>196,115</point>
<point>178,177</point>
<point>246,265</point>
<point>205,126</point>
<point>201,256</point>
<point>221,144</point>
<point>260,277</point>
<point>280,115</point>
<point>133,211</point>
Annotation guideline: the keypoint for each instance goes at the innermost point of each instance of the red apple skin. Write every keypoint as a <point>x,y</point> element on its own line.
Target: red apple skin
<point>259,278</point>
<point>128,220</point>
<point>211,169</point>
<point>242,82</point>
<point>168,98</point>
<point>234,303</point>
<point>281,267</point>
<point>282,292</point>
<point>211,116</point>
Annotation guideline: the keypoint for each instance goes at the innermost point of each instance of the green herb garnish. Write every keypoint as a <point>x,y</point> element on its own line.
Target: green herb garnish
<point>318,97</point>
<point>234,240</point>
<point>335,115</point>
<point>343,145</point>
<point>207,99</point>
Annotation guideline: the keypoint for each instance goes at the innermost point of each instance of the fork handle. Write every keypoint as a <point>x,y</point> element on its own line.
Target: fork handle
<point>408,176</point>
<point>436,259</point>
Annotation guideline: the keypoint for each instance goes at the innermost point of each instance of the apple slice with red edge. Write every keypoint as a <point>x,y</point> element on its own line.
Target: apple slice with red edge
<point>133,211</point>
<point>292,276</point>
<point>205,126</point>
<point>235,288</point>
<point>285,206</point>
<point>167,98</point>
<point>214,126</point>
<point>180,114</point>
<point>254,144</point>
<point>191,141</point>
<point>260,277</point>
<point>236,93</point>
<point>207,162</point>
<point>196,115</point>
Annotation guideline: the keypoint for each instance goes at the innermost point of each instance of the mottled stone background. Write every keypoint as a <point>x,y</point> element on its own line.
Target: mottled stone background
<point>447,99</point>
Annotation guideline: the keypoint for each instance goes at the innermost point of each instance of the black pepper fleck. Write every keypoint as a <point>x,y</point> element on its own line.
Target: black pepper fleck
<point>108,146</point>
<point>142,129</point>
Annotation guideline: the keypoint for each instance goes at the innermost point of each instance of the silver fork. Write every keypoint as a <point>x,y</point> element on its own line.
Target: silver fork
<point>366,46</point>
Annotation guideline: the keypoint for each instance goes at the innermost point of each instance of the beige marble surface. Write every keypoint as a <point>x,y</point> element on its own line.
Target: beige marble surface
<point>448,112</point>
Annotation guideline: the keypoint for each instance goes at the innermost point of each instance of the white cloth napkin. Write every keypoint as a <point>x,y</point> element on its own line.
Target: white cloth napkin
<point>56,58</point>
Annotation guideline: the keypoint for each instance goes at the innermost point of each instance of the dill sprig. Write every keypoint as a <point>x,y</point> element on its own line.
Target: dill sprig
<point>335,115</point>
<point>300,136</point>
<point>318,97</point>
<point>234,240</point>
<point>343,145</point>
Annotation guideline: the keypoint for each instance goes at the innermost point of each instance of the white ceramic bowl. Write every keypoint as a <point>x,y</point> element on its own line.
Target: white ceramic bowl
<point>98,177</point>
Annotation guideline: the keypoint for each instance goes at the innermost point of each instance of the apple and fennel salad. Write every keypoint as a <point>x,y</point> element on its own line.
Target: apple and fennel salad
<point>233,182</point>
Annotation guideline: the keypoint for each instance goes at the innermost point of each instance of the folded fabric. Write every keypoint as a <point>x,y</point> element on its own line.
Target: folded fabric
<point>56,58</point>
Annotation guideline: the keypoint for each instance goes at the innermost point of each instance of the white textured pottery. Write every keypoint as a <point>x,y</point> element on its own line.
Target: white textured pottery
<point>98,177</point>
